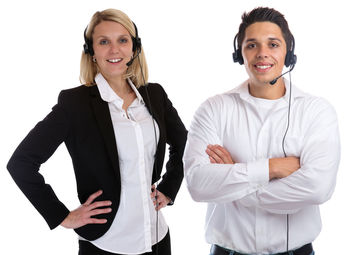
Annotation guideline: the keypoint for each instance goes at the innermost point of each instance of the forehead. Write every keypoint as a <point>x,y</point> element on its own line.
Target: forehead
<point>108,28</point>
<point>263,31</point>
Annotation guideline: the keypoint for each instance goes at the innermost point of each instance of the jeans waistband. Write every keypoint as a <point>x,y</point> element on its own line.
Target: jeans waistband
<point>304,250</point>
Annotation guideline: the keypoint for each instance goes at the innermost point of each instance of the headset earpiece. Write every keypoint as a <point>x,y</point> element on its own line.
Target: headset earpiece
<point>136,41</point>
<point>237,54</point>
<point>88,45</point>
<point>237,57</point>
<point>291,58</point>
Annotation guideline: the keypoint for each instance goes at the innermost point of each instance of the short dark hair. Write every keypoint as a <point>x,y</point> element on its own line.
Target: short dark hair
<point>262,14</point>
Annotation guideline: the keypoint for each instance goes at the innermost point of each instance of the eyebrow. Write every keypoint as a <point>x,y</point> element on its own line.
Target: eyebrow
<point>270,39</point>
<point>105,36</point>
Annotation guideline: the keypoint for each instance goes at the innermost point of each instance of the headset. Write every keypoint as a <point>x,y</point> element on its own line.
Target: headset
<point>136,47</point>
<point>290,60</point>
<point>136,43</point>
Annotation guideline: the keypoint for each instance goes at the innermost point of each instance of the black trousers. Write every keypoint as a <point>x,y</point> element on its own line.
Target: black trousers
<point>163,247</point>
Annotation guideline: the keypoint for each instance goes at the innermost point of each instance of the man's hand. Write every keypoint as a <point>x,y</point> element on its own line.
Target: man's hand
<point>82,215</point>
<point>159,199</point>
<point>283,167</point>
<point>218,154</point>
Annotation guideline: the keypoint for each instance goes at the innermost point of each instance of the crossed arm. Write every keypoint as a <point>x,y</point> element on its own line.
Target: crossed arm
<point>278,167</point>
<point>277,185</point>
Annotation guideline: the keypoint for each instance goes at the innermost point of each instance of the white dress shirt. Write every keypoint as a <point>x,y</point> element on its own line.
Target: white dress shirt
<point>133,230</point>
<point>247,212</point>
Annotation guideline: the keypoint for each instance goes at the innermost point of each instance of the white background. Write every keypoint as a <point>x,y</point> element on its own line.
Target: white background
<point>188,45</point>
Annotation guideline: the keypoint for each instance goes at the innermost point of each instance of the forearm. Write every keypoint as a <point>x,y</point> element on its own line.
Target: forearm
<point>283,167</point>
<point>40,194</point>
<point>34,150</point>
<point>290,194</point>
<point>176,136</point>
<point>225,182</point>
<point>312,184</point>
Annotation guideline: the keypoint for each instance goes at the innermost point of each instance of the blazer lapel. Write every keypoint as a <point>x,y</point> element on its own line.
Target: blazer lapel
<point>152,110</point>
<point>104,121</point>
<point>156,115</point>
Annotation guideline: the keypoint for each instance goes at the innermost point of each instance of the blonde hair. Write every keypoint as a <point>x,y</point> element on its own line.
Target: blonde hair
<point>89,69</point>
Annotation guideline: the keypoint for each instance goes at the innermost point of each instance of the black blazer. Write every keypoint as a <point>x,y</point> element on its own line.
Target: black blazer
<point>81,119</point>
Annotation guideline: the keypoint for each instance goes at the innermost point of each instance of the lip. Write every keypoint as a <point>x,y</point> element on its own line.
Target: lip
<point>263,67</point>
<point>114,61</point>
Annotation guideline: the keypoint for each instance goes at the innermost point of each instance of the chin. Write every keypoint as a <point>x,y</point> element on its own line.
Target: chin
<point>261,82</point>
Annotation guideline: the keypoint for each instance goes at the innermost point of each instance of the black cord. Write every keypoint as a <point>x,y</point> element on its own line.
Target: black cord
<point>155,139</point>
<point>288,118</point>
<point>284,138</point>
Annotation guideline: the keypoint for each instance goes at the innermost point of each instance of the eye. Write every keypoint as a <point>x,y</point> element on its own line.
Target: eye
<point>123,40</point>
<point>274,45</point>
<point>103,42</point>
<point>251,45</point>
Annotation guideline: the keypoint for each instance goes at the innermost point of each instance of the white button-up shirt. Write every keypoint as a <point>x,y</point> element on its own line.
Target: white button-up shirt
<point>133,230</point>
<point>247,212</point>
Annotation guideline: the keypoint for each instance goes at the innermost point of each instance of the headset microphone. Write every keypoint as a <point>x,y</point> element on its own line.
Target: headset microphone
<point>133,58</point>
<point>275,80</point>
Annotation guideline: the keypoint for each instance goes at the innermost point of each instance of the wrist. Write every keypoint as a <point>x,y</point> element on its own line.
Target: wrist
<point>272,169</point>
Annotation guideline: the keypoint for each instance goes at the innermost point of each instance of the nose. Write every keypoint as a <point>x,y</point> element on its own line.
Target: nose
<point>114,47</point>
<point>263,52</point>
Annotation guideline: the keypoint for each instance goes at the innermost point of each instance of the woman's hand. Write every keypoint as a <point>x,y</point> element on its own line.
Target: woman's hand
<point>82,215</point>
<point>218,154</point>
<point>159,199</point>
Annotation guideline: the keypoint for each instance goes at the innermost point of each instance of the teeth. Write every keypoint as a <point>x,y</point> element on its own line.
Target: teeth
<point>264,67</point>
<point>114,60</point>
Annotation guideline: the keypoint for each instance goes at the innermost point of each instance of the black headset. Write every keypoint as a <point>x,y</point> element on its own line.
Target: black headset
<point>136,43</point>
<point>290,60</point>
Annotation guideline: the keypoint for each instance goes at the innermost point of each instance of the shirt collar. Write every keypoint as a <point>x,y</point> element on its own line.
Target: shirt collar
<point>243,91</point>
<point>107,93</point>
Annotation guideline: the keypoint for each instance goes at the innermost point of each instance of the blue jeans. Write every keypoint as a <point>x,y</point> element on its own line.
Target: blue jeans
<point>230,252</point>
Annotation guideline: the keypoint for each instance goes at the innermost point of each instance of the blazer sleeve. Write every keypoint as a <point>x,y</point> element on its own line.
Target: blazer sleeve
<point>34,150</point>
<point>176,136</point>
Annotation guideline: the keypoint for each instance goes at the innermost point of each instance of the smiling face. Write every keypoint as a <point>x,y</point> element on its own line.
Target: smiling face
<point>264,51</point>
<point>112,46</point>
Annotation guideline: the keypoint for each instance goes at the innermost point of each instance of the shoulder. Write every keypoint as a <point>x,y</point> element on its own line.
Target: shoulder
<point>314,108</point>
<point>77,94</point>
<point>155,93</point>
<point>314,104</point>
<point>73,92</point>
<point>220,102</point>
<point>154,88</point>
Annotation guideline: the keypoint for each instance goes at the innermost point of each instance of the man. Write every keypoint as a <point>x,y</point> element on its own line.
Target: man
<point>265,154</point>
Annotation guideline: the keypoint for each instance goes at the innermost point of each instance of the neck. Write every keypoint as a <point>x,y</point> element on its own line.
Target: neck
<point>119,86</point>
<point>266,90</point>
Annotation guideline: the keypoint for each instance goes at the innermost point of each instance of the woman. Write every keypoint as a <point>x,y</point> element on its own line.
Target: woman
<point>115,128</point>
